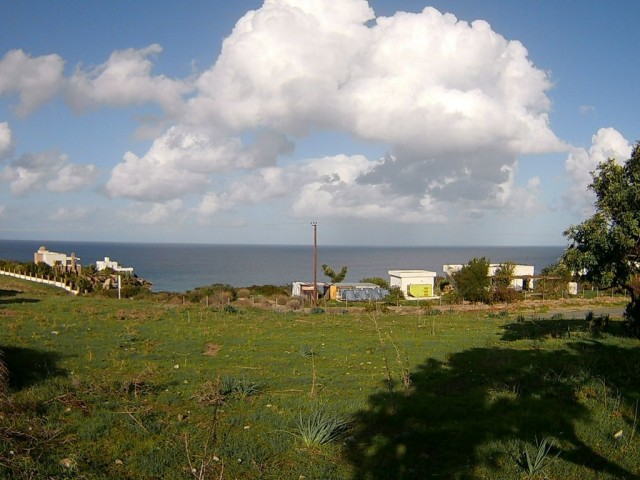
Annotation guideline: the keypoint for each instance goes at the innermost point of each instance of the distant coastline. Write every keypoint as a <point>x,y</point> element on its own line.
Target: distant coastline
<point>180,266</point>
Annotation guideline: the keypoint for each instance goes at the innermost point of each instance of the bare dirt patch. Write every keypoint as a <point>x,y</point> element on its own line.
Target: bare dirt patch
<point>212,349</point>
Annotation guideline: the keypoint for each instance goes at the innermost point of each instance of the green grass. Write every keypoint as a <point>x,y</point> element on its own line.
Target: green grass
<point>101,388</point>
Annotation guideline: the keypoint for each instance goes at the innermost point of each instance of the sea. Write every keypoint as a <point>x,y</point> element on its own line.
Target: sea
<point>184,267</point>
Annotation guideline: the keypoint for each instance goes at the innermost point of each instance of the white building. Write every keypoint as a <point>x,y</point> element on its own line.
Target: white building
<point>414,283</point>
<point>522,274</point>
<point>57,260</point>
<point>107,263</point>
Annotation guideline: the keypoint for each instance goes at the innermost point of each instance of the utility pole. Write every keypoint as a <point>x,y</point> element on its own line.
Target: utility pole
<point>315,263</point>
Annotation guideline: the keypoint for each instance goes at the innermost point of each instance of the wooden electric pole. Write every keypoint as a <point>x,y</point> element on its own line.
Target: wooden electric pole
<point>315,263</point>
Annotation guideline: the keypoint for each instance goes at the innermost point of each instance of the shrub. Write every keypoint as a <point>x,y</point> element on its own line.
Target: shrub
<point>376,307</point>
<point>505,294</point>
<point>395,295</point>
<point>269,290</point>
<point>294,304</point>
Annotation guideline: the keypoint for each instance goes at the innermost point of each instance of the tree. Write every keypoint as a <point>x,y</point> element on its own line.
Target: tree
<point>472,280</point>
<point>553,279</point>
<point>335,277</point>
<point>605,248</point>
<point>504,274</point>
<point>503,290</point>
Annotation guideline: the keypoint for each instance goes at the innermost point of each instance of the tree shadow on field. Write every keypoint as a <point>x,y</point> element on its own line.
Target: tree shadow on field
<point>11,296</point>
<point>538,329</point>
<point>460,415</point>
<point>27,366</point>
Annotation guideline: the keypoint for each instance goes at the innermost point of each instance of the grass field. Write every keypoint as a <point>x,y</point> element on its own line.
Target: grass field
<point>101,388</point>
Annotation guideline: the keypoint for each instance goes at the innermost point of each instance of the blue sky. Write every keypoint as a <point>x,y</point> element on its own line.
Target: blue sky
<point>388,122</point>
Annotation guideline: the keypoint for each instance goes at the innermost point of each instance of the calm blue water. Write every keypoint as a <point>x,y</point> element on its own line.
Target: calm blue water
<point>181,267</point>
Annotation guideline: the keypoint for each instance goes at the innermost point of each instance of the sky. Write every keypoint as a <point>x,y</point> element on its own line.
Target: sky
<point>387,122</point>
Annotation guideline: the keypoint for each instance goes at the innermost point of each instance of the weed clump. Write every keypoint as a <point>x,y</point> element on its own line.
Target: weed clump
<point>219,391</point>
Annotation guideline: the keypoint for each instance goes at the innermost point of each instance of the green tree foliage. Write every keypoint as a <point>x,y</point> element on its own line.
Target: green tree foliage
<point>395,295</point>
<point>553,280</point>
<point>333,276</point>
<point>503,275</point>
<point>381,282</point>
<point>605,248</point>
<point>472,280</point>
<point>503,291</point>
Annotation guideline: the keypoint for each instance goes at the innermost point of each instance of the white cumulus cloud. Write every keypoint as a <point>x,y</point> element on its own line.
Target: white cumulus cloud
<point>48,170</point>
<point>34,79</point>
<point>454,103</point>
<point>126,79</point>
<point>605,144</point>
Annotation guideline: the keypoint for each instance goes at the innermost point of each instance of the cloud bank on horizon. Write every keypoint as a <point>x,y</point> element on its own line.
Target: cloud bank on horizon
<point>451,106</point>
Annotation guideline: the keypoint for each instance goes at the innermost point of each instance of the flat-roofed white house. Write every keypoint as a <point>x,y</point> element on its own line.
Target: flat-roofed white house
<point>414,283</point>
<point>108,263</point>
<point>522,274</point>
<point>62,261</point>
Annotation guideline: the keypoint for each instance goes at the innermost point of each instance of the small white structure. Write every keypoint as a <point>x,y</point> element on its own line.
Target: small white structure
<point>107,263</point>
<point>57,260</point>
<point>305,289</point>
<point>414,283</point>
<point>520,273</point>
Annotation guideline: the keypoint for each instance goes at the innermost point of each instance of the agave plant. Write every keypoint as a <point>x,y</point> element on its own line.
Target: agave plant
<point>534,463</point>
<point>320,426</point>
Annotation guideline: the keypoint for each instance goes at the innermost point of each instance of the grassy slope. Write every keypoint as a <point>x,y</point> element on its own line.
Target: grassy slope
<point>119,389</point>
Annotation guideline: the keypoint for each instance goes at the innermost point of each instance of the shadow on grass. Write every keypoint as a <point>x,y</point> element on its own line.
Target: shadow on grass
<point>9,296</point>
<point>473,412</point>
<point>538,329</point>
<point>28,366</point>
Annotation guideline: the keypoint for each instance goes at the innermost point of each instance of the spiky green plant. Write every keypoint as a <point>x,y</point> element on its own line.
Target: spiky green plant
<point>319,427</point>
<point>535,463</point>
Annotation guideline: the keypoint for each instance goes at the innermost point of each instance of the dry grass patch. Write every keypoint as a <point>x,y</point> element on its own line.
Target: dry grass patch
<point>212,349</point>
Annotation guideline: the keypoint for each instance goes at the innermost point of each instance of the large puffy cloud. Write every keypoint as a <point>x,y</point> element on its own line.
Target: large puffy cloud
<point>180,162</point>
<point>34,79</point>
<point>48,170</point>
<point>126,79</point>
<point>605,144</point>
<point>454,103</point>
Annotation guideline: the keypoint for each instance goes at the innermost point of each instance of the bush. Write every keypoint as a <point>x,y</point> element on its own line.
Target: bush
<point>505,294</point>
<point>395,295</point>
<point>294,304</point>
<point>269,290</point>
